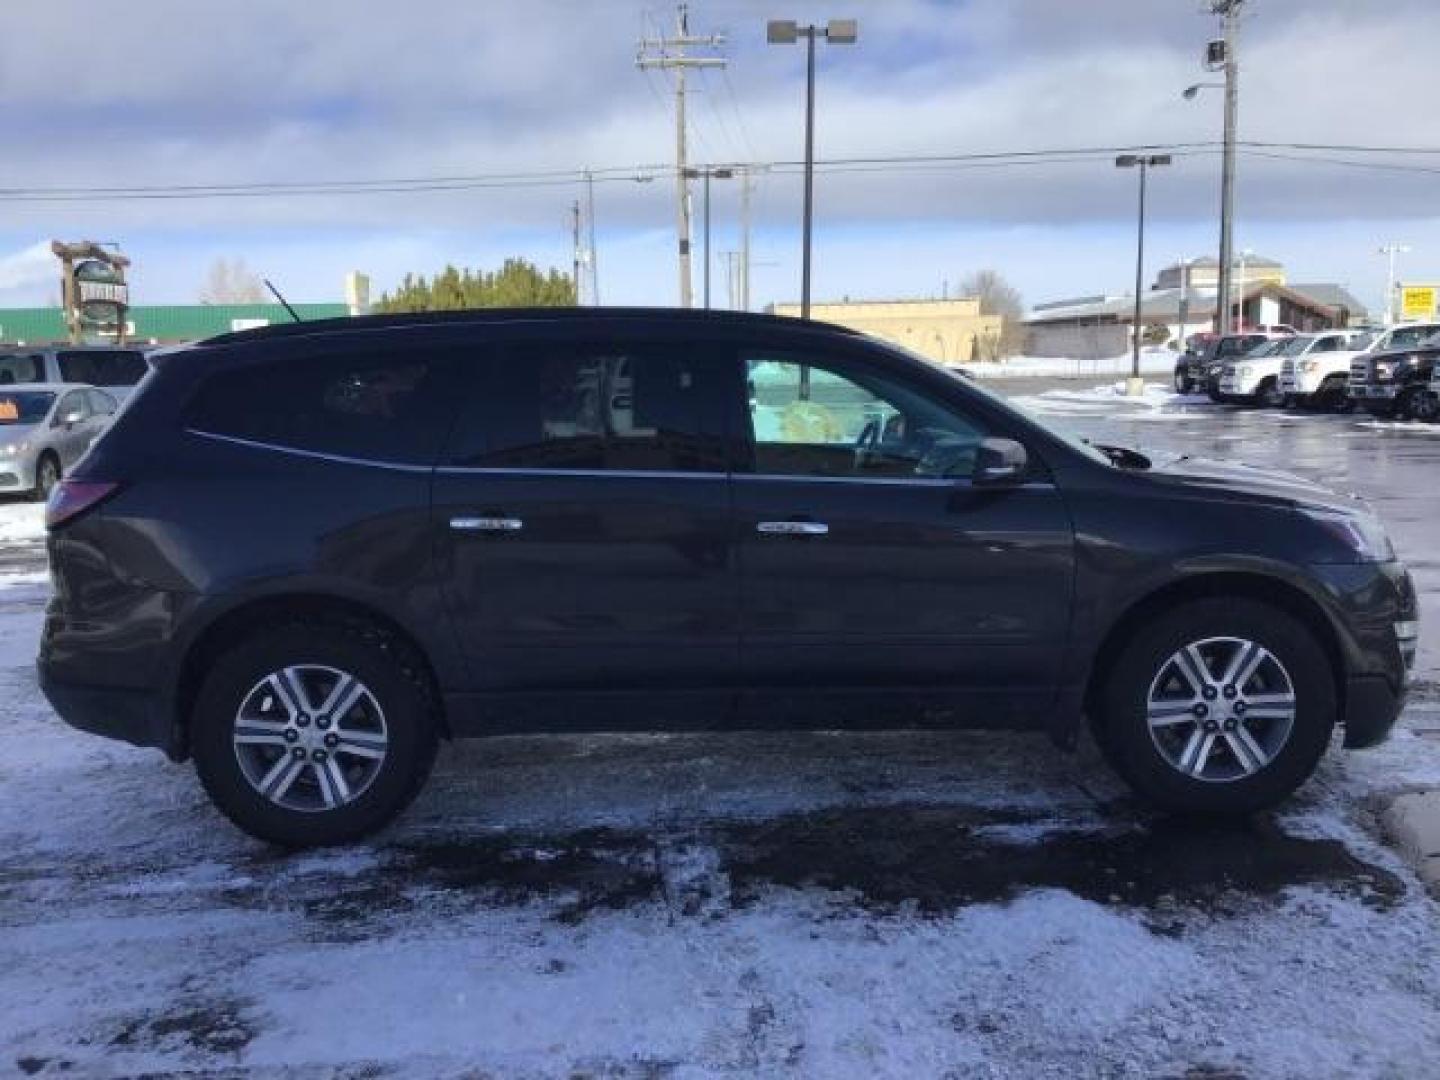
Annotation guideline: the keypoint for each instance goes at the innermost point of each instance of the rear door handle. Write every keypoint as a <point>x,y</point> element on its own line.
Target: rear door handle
<point>792,528</point>
<point>486,524</point>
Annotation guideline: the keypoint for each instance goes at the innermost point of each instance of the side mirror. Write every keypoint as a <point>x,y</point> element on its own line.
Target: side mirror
<point>999,462</point>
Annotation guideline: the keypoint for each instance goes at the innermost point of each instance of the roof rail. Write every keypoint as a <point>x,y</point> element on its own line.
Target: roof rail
<point>501,315</point>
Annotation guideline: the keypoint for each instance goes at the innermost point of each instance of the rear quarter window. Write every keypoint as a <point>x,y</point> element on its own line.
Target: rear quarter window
<point>99,368</point>
<point>391,407</point>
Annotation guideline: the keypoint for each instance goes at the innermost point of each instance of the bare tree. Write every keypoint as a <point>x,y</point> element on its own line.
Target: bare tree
<point>998,297</point>
<point>232,283</point>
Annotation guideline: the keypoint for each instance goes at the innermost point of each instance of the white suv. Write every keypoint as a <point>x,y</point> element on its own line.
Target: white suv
<point>1255,380</point>
<point>1320,375</point>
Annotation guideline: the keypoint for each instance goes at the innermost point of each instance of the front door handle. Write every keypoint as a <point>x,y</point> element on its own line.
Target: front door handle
<point>792,528</point>
<point>486,524</point>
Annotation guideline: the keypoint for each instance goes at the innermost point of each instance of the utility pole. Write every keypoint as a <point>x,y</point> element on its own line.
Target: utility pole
<point>1229,10</point>
<point>744,289</point>
<point>590,229</point>
<point>575,246</point>
<point>669,54</point>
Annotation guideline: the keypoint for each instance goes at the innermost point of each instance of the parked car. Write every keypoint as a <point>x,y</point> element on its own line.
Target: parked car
<point>1193,369</point>
<point>303,555</point>
<point>1215,371</point>
<point>1255,380</point>
<point>114,369</point>
<point>1396,380</point>
<point>45,428</point>
<point>1319,377</point>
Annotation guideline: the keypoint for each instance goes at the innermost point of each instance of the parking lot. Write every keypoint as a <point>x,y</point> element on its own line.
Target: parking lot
<point>906,905</point>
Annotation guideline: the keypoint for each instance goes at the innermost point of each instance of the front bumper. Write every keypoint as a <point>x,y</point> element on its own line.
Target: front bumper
<point>17,473</point>
<point>1372,392</point>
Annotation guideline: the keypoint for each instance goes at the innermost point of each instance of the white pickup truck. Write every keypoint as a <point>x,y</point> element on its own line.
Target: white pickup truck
<point>1310,360</point>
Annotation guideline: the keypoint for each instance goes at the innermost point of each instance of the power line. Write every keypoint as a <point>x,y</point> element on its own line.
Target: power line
<point>542,178</point>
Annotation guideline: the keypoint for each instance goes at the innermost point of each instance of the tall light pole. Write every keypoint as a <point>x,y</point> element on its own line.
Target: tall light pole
<point>707,174</point>
<point>1135,386</point>
<point>787,32</point>
<point>1390,250</point>
<point>1238,323</point>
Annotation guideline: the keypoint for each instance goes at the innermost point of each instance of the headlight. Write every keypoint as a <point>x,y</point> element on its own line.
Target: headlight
<point>16,448</point>
<point>1310,366</point>
<point>1360,532</point>
<point>1384,369</point>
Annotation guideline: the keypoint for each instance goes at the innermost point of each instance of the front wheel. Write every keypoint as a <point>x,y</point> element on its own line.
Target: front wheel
<point>306,735</point>
<point>1269,395</point>
<point>1419,404</point>
<point>47,475</point>
<point>1183,385</point>
<point>1221,706</point>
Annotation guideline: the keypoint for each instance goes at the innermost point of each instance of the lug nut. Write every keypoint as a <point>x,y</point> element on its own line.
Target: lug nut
<point>302,720</point>
<point>1230,691</point>
<point>1238,708</point>
<point>1211,726</point>
<point>319,755</point>
<point>1209,693</point>
<point>291,734</point>
<point>299,753</point>
<point>322,722</point>
<point>332,741</point>
<point>1201,710</point>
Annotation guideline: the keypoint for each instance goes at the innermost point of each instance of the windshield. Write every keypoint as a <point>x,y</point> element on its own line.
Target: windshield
<point>1406,336</point>
<point>1297,345</point>
<point>24,407</point>
<point>1267,348</point>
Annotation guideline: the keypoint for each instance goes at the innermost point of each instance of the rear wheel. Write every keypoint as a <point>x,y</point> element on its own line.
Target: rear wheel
<point>47,475</point>
<point>1269,394</point>
<point>317,734</point>
<point>1221,706</point>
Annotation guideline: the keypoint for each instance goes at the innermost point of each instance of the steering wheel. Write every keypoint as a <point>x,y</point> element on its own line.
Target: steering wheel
<point>866,443</point>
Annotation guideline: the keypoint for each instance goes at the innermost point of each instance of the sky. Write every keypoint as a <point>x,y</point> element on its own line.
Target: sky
<point>194,92</point>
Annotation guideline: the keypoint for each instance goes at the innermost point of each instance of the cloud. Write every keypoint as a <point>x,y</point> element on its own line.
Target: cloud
<point>32,266</point>
<point>271,90</point>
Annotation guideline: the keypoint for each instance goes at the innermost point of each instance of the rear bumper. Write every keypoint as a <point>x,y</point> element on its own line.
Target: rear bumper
<point>137,717</point>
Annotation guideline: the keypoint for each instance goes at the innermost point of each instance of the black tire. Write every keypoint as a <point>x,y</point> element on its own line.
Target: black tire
<point>383,666</point>
<point>1380,410</point>
<point>1268,395</point>
<point>1124,729</point>
<point>47,475</point>
<point>1183,385</point>
<point>1418,403</point>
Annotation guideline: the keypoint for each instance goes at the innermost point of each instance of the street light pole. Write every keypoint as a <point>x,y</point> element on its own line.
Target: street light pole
<point>1135,386</point>
<point>1230,9</point>
<point>787,32</point>
<point>1390,250</point>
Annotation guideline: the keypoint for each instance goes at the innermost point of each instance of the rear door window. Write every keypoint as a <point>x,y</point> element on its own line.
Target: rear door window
<point>99,367</point>
<point>616,408</point>
<point>101,403</point>
<point>21,368</point>
<point>381,407</point>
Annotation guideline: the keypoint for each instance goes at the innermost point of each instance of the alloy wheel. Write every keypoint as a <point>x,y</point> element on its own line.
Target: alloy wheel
<point>1221,709</point>
<point>310,737</point>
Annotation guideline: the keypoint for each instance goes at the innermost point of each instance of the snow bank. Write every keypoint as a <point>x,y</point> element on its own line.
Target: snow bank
<point>1152,362</point>
<point>21,521</point>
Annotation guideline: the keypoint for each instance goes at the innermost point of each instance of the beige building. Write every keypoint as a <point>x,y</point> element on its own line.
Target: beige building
<point>949,332</point>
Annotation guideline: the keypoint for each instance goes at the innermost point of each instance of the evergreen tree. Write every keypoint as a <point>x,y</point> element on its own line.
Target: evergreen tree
<point>518,283</point>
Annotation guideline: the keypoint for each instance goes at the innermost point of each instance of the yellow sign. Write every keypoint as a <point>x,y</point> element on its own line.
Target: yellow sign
<point>1418,301</point>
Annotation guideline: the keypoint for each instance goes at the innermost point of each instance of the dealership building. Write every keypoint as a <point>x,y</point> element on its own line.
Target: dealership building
<point>1183,302</point>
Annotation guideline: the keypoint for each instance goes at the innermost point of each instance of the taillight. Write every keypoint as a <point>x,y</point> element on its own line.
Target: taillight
<point>71,498</point>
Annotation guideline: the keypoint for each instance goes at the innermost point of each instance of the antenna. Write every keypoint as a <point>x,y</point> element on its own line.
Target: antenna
<point>282,299</point>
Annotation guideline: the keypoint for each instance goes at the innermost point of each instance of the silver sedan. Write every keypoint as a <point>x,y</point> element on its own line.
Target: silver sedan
<point>45,428</point>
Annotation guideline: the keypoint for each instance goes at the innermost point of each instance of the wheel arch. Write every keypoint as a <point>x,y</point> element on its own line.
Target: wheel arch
<point>1248,585</point>
<point>234,624</point>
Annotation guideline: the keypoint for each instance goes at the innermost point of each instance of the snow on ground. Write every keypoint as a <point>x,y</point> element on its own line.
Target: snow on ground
<point>1152,362</point>
<point>1110,400</point>
<point>777,905</point>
